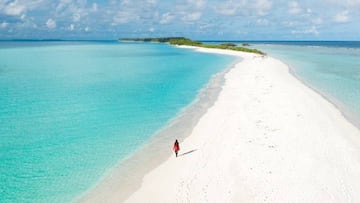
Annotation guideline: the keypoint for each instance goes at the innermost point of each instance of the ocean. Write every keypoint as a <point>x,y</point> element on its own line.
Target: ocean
<point>70,111</point>
<point>332,68</point>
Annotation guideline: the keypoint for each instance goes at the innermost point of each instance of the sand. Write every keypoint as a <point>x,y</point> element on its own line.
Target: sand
<point>267,138</point>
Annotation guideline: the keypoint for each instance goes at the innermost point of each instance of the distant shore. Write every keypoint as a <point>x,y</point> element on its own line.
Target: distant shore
<point>182,41</point>
<point>266,137</point>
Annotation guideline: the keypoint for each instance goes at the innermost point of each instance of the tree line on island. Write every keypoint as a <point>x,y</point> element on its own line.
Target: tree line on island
<point>189,42</point>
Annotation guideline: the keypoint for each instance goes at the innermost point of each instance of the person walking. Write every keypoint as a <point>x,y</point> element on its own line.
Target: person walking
<point>176,147</point>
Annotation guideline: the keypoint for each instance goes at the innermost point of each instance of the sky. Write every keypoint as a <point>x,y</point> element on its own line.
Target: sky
<point>196,19</point>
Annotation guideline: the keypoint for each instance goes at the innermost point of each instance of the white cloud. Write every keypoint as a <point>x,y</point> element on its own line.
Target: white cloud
<point>62,5</point>
<point>199,4</point>
<point>76,17</point>
<point>188,6</point>
<point>312,30</point>
<point>74,10</point>
<point>166,18</point>
<point>71,27</point>
<point>4,24</point>
<point>263,22</point>
<point>50,23</point>
<point>289,23</point>
<point>346,3</point>
<point>317,21</point>
<point>151,1</point>
<point>14,8</point>
<point>191,17</point>
<point>23,16</point>
<point>262,7</point>
<point>87,29</point>
<point>244,7</point>
<point>129,11</point>
<point>226,8</point>
<point>187,11</point>
<point>142,16</point>
<point>25,22</point>
<point>342,17</point>
<point>124,16</point>
<point>94,7</point>
<point>353,2</point>
<point>294,8</point>
<point>205,26</point>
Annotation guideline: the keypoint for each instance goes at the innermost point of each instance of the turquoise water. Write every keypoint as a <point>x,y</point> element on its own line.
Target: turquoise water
<point>69,111</point>
<point>332,68</point>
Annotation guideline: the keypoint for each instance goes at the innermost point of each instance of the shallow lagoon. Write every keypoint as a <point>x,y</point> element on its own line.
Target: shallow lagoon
<point>70,111</point>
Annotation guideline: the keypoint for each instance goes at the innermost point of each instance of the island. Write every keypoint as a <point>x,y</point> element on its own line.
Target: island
<point>189,42</point>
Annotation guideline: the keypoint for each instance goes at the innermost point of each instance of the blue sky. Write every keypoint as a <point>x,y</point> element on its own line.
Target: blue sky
<point>197,19</point>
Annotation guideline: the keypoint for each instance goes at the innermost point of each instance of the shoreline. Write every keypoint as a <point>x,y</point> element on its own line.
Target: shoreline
<point>348,114</point>
<point>350,117</point>
<point>159,146</point>
<point>292,144</point>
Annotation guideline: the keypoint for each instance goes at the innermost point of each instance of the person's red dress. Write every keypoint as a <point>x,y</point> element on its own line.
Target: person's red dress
<point>176,147</point>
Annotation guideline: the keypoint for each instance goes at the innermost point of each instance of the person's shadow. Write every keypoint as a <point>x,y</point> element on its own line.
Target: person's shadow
<point>188,152</point>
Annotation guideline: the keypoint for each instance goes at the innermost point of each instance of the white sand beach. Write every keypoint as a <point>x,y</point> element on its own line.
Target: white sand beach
<point>267,138</point>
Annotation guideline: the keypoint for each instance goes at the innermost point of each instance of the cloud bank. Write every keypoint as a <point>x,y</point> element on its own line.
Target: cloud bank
<point>199,19</point>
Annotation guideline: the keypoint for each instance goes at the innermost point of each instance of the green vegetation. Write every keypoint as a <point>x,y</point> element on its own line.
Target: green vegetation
<point>234,48</point>
<point>160,39</point>
<point>184,41</point>
<point>189,42</point>
<point>228,44</point>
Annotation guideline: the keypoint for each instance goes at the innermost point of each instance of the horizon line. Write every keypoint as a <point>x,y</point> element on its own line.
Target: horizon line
<point>202,40</point>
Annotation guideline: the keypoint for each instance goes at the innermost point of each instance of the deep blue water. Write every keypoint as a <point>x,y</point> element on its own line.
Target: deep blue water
<point>69,111</point>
